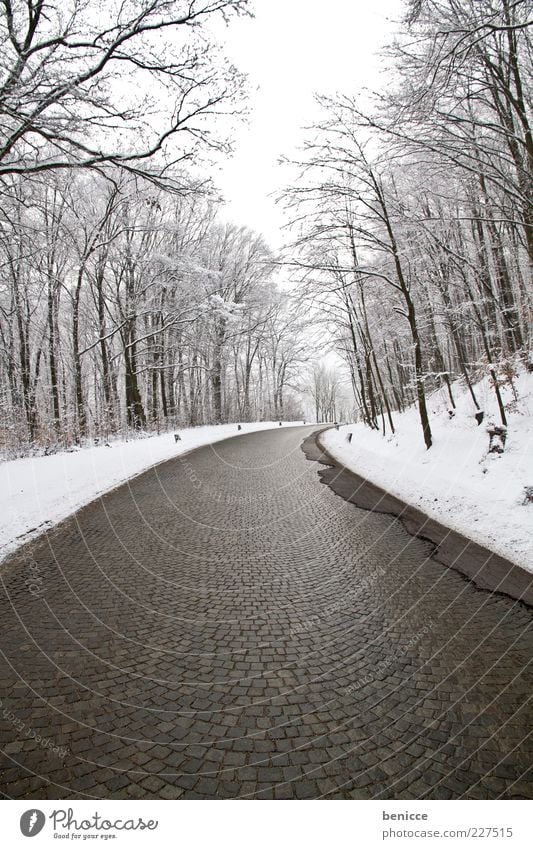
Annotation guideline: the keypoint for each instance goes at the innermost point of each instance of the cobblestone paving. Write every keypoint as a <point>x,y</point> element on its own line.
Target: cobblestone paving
<point>225,626</point>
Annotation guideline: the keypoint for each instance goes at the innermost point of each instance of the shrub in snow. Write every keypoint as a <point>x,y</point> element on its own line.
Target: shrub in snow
<point>497,437</point>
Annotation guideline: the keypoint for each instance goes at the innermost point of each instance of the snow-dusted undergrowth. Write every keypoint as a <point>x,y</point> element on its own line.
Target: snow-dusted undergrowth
<point>456,482</point>
<point>38,492</point>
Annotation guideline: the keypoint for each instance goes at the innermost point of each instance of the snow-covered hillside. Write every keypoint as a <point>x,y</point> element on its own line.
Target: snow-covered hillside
<point>456,482</point>
<point>38,492</point>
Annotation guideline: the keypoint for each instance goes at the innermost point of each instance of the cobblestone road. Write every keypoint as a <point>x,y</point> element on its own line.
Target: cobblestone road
<point>226,626</point>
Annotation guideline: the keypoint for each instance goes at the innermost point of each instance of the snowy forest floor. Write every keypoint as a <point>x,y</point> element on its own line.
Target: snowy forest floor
<point>456,482</point>
<point>38,492</point>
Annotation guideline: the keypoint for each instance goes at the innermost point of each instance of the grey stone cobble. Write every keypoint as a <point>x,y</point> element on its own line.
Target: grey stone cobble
<point>228,627</point>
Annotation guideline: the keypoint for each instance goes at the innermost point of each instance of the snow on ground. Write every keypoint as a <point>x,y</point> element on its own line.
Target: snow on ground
<point>456,482</point>
<point>38,492</point>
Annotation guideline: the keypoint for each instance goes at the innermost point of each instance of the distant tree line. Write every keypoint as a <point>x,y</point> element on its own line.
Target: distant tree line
<point>122,305</point>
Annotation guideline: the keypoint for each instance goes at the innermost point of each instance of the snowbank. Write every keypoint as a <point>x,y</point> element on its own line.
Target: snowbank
<point>38,492</point>
<point>456,482</point>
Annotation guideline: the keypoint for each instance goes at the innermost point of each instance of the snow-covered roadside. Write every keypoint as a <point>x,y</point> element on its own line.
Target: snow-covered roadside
<point>456,482</point>
<point>38,492</point>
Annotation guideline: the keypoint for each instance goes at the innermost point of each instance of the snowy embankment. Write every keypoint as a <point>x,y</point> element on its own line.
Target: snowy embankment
<point>456,482</point>
<point>38,492</point>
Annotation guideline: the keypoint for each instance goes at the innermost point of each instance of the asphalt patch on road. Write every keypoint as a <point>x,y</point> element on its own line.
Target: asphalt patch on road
<point>483,567</point>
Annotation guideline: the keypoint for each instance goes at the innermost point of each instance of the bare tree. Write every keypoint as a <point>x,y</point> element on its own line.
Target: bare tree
<point>92,84</point>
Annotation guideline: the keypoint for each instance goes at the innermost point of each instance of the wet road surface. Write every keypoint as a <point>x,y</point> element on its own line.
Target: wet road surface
<point>225,626</point>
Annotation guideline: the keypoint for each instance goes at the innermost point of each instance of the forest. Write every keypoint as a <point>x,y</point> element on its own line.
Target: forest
<point>129,303</point>
<point>413,215</point>
<point>126,302</point>
<point>126,306</point>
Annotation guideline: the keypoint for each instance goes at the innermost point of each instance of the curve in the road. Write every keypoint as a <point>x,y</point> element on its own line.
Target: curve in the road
<point>226,626</point>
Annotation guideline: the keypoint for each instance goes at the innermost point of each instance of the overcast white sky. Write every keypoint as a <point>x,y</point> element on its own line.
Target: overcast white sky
<point>291,49</point>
